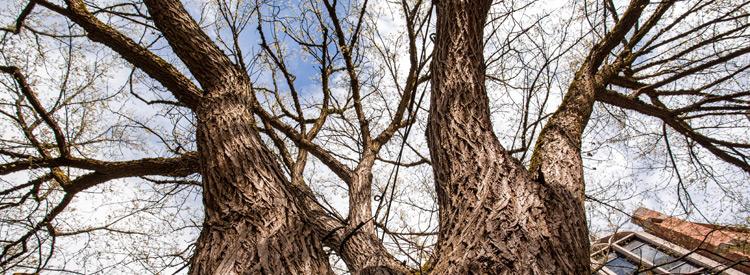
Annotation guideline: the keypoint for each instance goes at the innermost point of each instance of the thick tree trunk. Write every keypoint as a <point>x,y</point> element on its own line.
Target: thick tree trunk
<point>253,221</point>
<point>253,224</point>
<point>495,217</point>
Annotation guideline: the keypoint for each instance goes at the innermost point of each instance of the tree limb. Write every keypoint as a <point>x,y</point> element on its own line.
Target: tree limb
<point>211,67</point>
<point>156,67</point>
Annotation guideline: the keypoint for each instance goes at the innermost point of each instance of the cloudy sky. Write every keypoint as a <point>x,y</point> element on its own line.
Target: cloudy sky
<point>626,167</point>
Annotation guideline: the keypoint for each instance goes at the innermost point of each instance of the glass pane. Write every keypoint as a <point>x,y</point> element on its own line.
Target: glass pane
<point>635,243</point>
<point>621,266</point>
<point>653,255</point>
<point>684,268</point>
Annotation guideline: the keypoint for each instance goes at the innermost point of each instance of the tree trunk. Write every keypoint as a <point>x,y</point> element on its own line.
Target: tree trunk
<point>495,217</point>
<point>358,243</point>
<point>364,253</point>
<point>253,224</point>
<point>358,246</point>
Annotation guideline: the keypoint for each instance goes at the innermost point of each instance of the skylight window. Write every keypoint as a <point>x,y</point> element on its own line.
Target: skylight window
<point>642,253</point>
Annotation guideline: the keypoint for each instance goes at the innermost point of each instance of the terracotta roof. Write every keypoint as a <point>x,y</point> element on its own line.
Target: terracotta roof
<point>720,243</point>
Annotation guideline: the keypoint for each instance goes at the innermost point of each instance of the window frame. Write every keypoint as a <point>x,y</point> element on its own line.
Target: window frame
<point>689,256</point>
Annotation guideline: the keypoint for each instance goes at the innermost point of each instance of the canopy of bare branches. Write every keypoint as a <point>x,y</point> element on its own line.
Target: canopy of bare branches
<point>156,136</point>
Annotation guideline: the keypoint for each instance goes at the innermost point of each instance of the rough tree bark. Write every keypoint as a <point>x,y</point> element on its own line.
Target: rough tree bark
<point>277,227</point>
<point>257,221</point>
<point>359,244</point>
<point>496,216</point>
<point>253,224</point>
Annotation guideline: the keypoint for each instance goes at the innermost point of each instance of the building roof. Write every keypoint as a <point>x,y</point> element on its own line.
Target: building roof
<point>671,245</point>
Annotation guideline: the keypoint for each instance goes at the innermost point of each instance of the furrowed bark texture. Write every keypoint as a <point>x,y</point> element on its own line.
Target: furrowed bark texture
<point>558,167</point>
<point>255,220</point>
<point>253,224</point>
<point>364,253</point>
<point>359,245</point>
<point>495,217</point>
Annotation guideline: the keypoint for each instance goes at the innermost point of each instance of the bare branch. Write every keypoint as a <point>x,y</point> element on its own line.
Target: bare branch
<point>156,67</point>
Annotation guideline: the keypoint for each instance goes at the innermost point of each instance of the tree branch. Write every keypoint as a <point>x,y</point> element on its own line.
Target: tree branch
<point>30,95</point>
<point>211,67</point>
<point>343,172</point>
<point>178,166</point>
<point>618,100</point>
<point>157,68</point>
<point>21,18</point>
